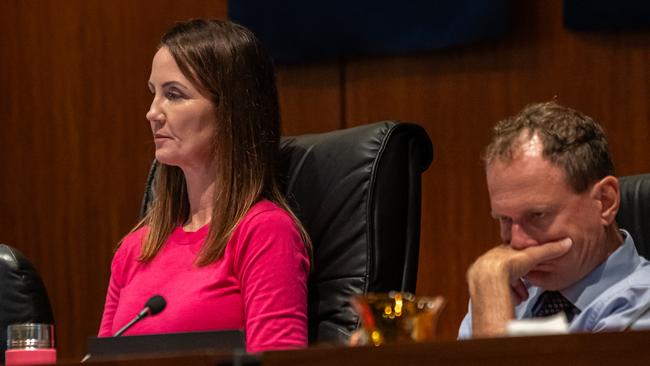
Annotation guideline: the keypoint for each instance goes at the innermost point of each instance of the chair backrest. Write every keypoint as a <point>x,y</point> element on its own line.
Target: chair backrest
<point>357,192</point>
<point>23,298</point>
<point>634,213</point>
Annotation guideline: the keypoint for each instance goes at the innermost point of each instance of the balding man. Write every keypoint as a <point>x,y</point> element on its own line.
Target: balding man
<point>552,188</point>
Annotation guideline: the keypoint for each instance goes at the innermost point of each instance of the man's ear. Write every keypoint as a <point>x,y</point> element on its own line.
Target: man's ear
<point>607,192</point>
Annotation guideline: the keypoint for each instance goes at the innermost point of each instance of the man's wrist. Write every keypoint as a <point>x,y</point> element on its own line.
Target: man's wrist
<point>489,289</point>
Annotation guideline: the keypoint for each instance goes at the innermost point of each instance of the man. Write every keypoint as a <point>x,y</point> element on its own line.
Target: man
<point>552,188</point>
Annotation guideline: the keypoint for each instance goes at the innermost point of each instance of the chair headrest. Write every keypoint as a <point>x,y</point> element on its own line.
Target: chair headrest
<point>634,212</point>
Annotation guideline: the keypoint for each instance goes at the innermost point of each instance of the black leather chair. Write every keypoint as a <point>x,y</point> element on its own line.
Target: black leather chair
<point>23,298</point>
<point>357,191</point>
<point>634,213</point>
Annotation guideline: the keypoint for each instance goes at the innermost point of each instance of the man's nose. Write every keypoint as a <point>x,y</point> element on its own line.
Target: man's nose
<point>520,238</point>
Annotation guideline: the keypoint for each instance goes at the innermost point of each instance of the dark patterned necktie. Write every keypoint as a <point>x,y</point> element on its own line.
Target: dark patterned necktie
<point>552,302</point>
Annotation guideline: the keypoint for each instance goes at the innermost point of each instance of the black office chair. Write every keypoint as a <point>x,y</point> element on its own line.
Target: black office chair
<point>634,213</point>
<point>23,298</point>
<point>357,192</point>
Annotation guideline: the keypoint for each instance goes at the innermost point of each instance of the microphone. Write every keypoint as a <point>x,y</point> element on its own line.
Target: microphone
<point>154,305</point>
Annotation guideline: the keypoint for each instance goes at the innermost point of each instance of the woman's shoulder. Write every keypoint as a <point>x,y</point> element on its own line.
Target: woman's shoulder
<point>267,219</point>
<point>135,236</point>
<point>132,242</point>
<point>266,211</point>
<point>267,233</point>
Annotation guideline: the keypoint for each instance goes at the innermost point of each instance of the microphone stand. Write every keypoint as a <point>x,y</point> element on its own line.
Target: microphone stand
<point>141,314</point>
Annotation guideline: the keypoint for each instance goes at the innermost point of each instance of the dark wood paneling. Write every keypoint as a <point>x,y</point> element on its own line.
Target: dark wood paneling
<point>75,146</point>
<point>310,97</point>
<point>559,350</point>
<point>458,94</point>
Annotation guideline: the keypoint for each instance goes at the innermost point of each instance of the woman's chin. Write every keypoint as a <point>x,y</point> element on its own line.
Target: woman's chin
<point>164,158</point>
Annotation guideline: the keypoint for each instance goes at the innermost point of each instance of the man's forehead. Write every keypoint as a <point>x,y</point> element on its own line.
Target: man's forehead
<point>527,145</point>
<point>525,167</point>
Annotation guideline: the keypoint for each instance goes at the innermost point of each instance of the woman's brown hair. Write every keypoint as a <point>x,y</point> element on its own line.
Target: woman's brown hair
<point>228,64</point>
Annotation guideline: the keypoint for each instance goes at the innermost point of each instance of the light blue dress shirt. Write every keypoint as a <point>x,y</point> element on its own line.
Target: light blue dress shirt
<point>608,298</point>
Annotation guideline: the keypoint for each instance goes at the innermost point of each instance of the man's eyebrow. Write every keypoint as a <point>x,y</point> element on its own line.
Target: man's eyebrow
<point>540,208</point>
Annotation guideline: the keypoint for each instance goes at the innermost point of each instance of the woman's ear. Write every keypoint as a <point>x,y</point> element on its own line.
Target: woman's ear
<point>607,192</point>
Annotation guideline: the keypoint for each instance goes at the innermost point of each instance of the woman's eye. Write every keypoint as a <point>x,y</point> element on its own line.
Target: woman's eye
<point>173,96</point>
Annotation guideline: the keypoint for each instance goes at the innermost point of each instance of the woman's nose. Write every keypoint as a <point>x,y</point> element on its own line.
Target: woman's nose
<point>155,114</point>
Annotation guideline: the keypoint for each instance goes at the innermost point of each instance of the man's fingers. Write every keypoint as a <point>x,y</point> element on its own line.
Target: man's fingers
<point>532,256</point>
<point>505,261</point>
<point>519,292</point>
<point>550,250</point>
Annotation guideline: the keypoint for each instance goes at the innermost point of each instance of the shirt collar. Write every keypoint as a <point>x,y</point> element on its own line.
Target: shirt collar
<point>616,267</point>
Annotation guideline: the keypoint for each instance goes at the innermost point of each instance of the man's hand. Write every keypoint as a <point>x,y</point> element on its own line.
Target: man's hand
<point>495,284</point>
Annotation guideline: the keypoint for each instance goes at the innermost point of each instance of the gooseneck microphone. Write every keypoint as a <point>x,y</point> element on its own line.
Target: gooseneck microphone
<point>154,305</point>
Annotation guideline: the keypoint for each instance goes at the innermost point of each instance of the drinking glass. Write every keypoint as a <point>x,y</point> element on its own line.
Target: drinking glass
<point>396,317</point>
<point>30,344</point>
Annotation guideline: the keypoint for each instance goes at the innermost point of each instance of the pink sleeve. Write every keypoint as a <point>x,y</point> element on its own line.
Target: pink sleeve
<point>113,294</point>
<point>273,266</point>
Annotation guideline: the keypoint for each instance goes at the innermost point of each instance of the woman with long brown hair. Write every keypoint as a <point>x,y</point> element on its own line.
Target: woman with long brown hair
<point>219,241</point>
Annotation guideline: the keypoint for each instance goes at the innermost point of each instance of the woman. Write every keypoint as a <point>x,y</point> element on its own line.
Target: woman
<point>219,242</point>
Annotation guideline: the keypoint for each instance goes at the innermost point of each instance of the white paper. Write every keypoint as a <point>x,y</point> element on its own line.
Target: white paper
<point>555,324</point>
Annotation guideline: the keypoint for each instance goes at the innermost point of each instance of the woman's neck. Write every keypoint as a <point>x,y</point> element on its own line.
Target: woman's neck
<point>200,193</point>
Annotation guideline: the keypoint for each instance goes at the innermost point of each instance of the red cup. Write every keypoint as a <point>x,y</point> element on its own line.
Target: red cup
<point>30,344</point>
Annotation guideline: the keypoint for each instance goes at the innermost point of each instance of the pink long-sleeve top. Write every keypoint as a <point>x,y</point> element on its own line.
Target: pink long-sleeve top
<point>260,283</point>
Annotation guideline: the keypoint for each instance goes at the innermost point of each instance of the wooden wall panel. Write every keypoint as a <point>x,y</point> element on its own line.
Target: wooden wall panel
<point>311,98</point>
<point>458,94</point>
<point>74,143</point>
<point>75,146</point>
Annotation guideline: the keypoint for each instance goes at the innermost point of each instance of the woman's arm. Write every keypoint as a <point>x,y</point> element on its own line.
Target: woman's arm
<point>116,283</point>
<point>273,267</point>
